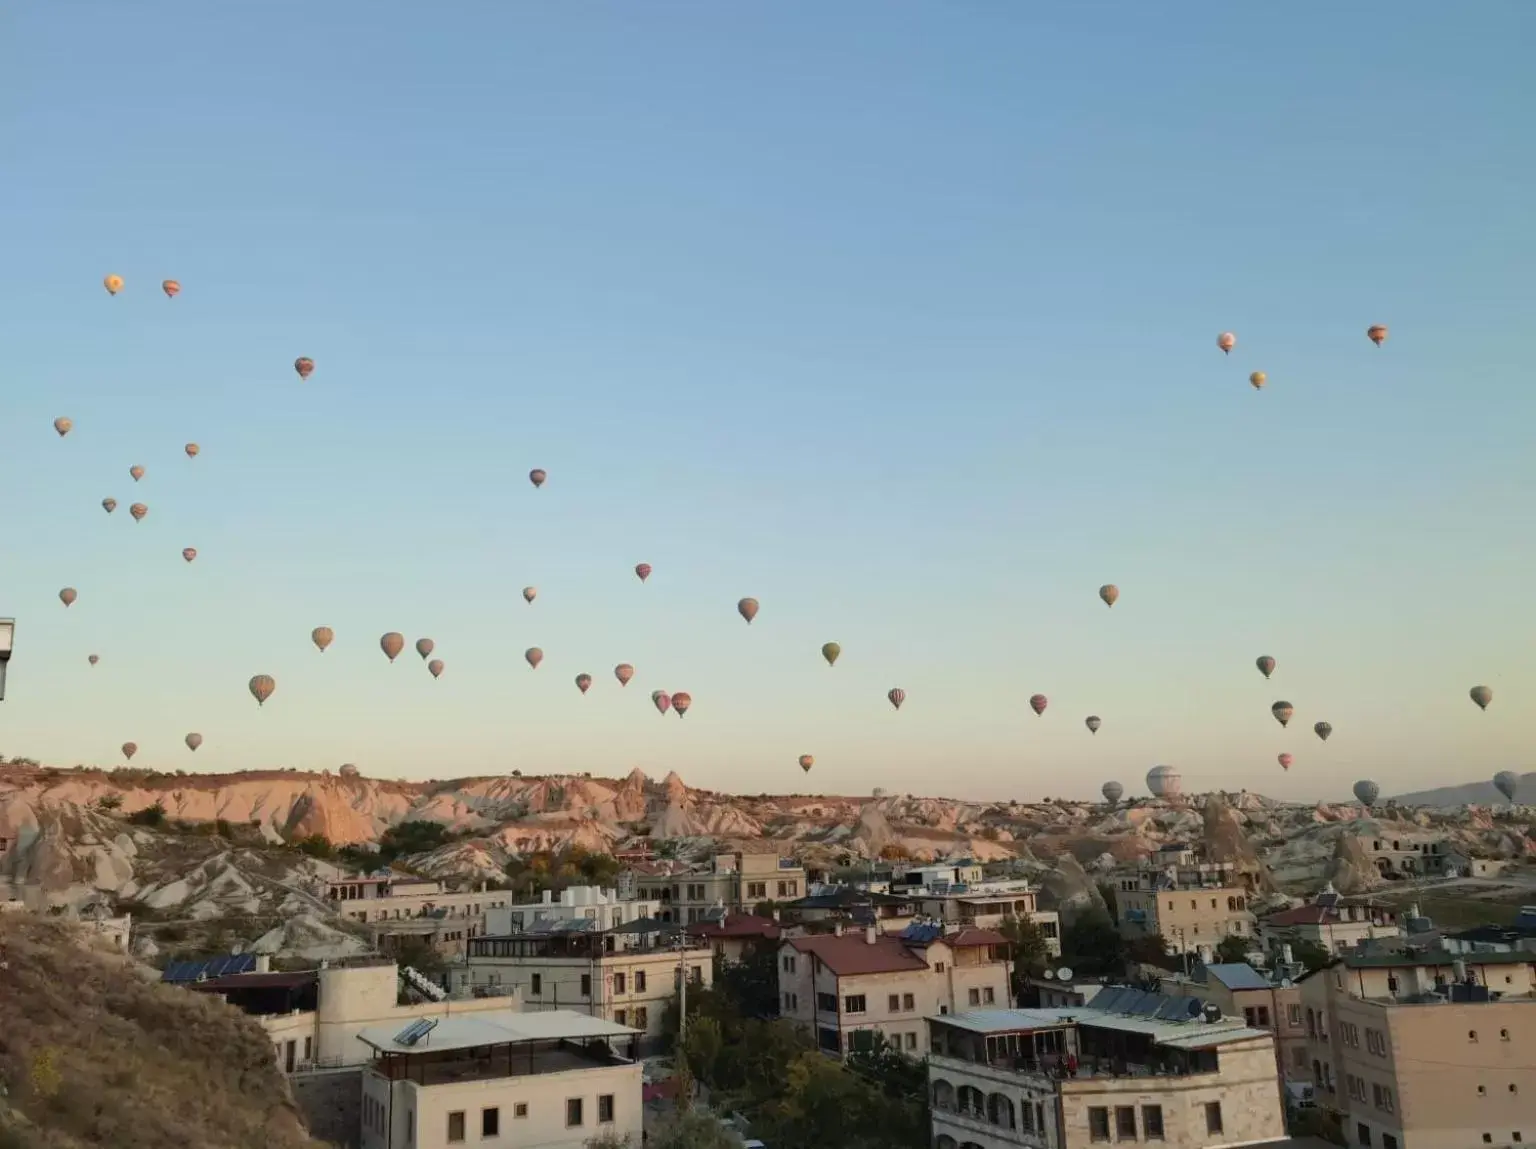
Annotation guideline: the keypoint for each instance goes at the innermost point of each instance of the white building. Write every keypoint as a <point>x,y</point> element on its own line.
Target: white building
<point>988,905</point>
<point>577,903</point>
<point>550,1080</point>
<point>1131,1067</point>
<point>389,896</point>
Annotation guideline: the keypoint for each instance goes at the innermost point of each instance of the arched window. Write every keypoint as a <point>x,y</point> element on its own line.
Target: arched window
<point>943,1141</point>
<point>943,1095</point>
<point>1000,1111</point>
<point>971,1100</point>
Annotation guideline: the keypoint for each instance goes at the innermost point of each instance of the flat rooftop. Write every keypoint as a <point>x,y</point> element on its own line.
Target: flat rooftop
<point>497,1027</point>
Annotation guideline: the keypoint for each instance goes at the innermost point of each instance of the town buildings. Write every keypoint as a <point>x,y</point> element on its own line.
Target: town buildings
<point>553,1080</point>
<point>1264,1000</point>
<point>829,905</point>
<point>844,987</point>
<point>1194,904</point>
<point>1422,1049</point>
<point>1130,1066</point>
<point>737,881</point>
<point>1334,923</point>
<point>575,903</point>
<point>735,934</point>
<point>396,907</point>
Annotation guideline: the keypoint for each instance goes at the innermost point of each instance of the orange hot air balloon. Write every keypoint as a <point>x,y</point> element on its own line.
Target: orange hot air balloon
<point>806,762</point>
<point>1258,379</point>
<point>747,608</point>
<point>424,647</point>
<point>138,511</point>
<point>189,553</point>
<point>67,596</point>
<point>172,289</point>
<point>194,741</point>
<point>261,687</point>
<point>93,659</point>
<point>623,672</point>
<point>681,701</point>
<point>897,696</point>
<point>537,476</point>
<point>1377,333</point>
<point>322,636</point>
<point>304,366</point>
<point>435,667</point>
<point>1226,341</point>
<point>643,571</point>
<point>63,425</point>
<point>130,749</point>
<point>1038,703</point>
<point>191,449</point>
<point>530,593</point>
<point>1285,761</point>
<point>137,473</point>
<point>109,504</point>
<point>392,644</point>
<point>583,682</point>
<point>1109,592</point>
<point>534,656</point>
<point>113,283</point>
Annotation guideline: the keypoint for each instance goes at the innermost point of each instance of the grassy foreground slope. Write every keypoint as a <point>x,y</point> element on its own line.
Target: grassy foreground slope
<point>92,1053</point>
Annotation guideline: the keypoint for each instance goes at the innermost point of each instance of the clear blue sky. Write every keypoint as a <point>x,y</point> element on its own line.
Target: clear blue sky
<point>901,319</point>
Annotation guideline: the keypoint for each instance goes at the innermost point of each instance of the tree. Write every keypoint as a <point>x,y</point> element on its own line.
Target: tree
<point>411,838</point>
<point>316,846</point>
<point>149,816</point>
<point>609,1141</point>
<point>1310,954</point>
<point>109,801</point>
<point>1152,949</point>
<point>1028,946</point>
<point>1233,949</point>
<point>752,984</point>
<point>691,1130</point>
<point>1092,945</point>
<point>420,956</point>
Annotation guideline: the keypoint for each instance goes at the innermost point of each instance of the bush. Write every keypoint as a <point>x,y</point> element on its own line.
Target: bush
<point>149,816</point>
<point>109,802</point>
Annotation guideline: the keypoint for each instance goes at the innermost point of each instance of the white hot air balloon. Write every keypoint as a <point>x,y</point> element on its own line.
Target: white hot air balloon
<point>1164,782</point>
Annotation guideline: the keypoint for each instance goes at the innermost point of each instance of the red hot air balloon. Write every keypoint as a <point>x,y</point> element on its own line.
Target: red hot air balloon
<point>623,672</point>
<point>897,696</point>
<point>642,571</point>
<point>1285,761</point>
<point>681,701</point>
<point>304,366</point>
<point>537,476</point>
<point>661,700</point>
<point>1226,341</point>
<point>747,608</point>
<point>534,656</point>
<point>583,682</point>
<point>1038,704</point>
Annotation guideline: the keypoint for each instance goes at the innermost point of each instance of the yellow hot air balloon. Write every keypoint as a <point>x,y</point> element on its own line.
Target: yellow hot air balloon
<point>113,283</point>
<point>392,644</point>
<point>1258,379</point>
<point>261,687</point>
<point>829,651</point>
<point>322,636</point>
<point>63,425</point>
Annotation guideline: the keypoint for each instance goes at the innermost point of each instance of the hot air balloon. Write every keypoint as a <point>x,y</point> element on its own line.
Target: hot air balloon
<point>138,511</point>
<point>1367,791</point>
<point>1285,761</point>
<point>130,749</point>
<point>623,672</point>
<point>806,762</point>
<point>1112,792</point>
<point>93,659</point>
<point>194,741</point>
<point>1282,711</point>
<point>172,289</point>
<point>1377,334</point>
<point>681,701</point>
<point>642,571</point>
<point>261,687</point>
<point>424,647</point>
<point>137,473</point>
<point>1109,592</point>
<point>747,608</point>
<point>1258,379</point>
<point>1093,722</point>
<point>189,553</point>
<point>435,667</point>
<point>322,637</point>
<point>63,425</point>
<point>109,504</point>
<point>191,449</point>
<point>113,283</point>
<point>530,593</point>
<point>534,656</point>
<point>1265,664</point>
<point>583,682</point>
<point>537,476</point>
<point>1037,703</point>
<point>897,696</point>
<point>304,366</point>
<point>1481,695</point>
<point>1226,341</point>
<point>1506,782</point>
<point>830,651</point>
<point>661,700</point>
<point>1322,730</point>
<point>392,644</point>
<point>1164,782</point>
<point>67,596</point>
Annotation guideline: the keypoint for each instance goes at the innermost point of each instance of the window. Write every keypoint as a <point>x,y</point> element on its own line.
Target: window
<point>1098,1123</point>
<point>789,963</point>
<point>1363,1133</point>
<point>1350,1033</point>
<point>1390,1142</point>
<point>911,1041</point>
<point>987,995</point>
<point>1381,1097</point>
<point>1257,1016</point>
<point>456,1125</point>
<point>908,1001</point>
<point>1125,1123</point>
<point>975,997</point>
<point>1503,1035</point>
<point>309,1047</point>
<point>1213,1117</point>
<point>1293,1015</point>
<point>1300,1058</point>
<point>621,1017</point>
<point>605,1109</point>
<point>853,1003</point>
<point>586,985</point>
<point>757,890</point>
<point>642,1017</point>
<point>938,967</point>
<point>520,1110</point>
<point>573,1117</point>
<point>1151,1122</point>
<point>537,986</point>
<point>639,981</point>
<point>490,1122</point>
<point>697,974</point>
<point>827,1001</point>
<point>410,1127</point>
<point>618,982</point>
<point>893,1003</point>
<point>1356,1086</point>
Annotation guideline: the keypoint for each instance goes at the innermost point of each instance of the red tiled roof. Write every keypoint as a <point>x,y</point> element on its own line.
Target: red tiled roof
<point>853,954</point>
<point>973,936</point>
<point>738,926</point>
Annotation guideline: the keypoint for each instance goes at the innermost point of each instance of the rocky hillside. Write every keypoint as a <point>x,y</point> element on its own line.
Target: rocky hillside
<point>1479,793</point>
<point>92,1052</point>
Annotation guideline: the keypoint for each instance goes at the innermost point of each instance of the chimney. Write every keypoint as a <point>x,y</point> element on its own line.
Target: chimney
<point>837,928</point>
<point>263,963</point>
<point>1286,955</point>
<point>549,896</point>
<point>869,935</point>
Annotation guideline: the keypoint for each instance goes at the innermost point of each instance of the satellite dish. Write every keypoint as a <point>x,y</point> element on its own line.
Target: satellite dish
<point>1065,973</point>
<point>1212,1012</point>
<point>1048,975</point>
<point>1286,983</point>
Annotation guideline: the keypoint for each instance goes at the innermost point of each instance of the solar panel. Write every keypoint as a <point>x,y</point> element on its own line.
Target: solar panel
<point>418,1029</point>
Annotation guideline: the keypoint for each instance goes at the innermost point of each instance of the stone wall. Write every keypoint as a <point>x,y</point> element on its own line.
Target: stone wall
<point>331,1102</point>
